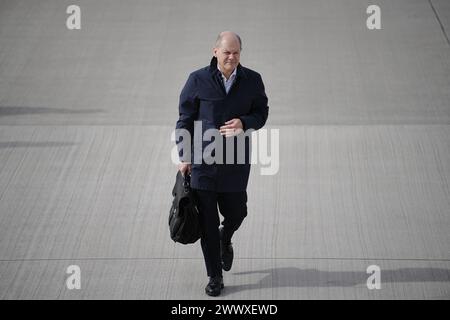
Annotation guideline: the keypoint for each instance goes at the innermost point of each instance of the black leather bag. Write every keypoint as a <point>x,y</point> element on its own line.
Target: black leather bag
<point>184,222</point>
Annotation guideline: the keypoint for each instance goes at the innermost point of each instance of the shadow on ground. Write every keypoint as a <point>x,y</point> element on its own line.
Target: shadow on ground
<point>295,277</point>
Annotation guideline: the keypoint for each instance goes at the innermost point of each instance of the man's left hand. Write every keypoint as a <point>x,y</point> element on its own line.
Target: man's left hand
<point>232,128</point>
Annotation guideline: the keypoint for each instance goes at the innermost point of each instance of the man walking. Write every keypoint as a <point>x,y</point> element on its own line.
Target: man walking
<point>229,98</point>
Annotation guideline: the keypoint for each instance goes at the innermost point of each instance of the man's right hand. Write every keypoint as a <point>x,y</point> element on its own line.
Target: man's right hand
<point>185,167</point>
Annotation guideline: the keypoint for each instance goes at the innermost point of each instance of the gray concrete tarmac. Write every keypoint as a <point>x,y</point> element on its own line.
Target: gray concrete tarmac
<point>363,118</point>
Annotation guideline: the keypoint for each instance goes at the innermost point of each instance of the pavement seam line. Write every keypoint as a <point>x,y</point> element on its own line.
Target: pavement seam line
<point>439,21</point>
<point>236,258</point>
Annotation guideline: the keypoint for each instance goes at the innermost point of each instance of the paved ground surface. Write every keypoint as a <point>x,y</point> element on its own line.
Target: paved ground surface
<point>364,155</point>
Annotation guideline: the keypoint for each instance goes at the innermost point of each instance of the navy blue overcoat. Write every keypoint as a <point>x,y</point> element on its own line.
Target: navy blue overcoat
<point>204,99</point>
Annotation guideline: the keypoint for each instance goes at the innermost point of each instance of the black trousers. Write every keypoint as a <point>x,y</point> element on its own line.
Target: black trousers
<point>233,207</point>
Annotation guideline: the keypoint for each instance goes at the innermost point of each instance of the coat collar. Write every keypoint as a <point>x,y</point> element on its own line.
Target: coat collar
<point>213,69</point>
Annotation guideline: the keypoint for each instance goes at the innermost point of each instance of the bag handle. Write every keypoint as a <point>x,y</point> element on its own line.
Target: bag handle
<point>186,182</point>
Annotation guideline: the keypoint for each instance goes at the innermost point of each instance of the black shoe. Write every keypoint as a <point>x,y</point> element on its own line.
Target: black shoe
<point>215,286</point>
<point>226,253</point>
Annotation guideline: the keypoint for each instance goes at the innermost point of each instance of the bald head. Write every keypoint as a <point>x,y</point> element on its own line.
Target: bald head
<point>227,51</point>
<point>227,37</point>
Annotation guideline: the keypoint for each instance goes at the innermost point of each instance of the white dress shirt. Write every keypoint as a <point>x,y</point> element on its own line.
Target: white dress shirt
<point>228,83</point>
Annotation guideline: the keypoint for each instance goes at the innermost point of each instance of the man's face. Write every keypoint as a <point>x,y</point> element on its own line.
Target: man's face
<point>228,55</point>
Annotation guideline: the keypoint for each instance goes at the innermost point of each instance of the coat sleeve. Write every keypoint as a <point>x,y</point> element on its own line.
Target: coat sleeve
<point>259,112</point>
<point>188,110</point>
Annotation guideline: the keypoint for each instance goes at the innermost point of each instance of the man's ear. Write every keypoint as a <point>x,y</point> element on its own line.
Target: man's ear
<point>214,51</point>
